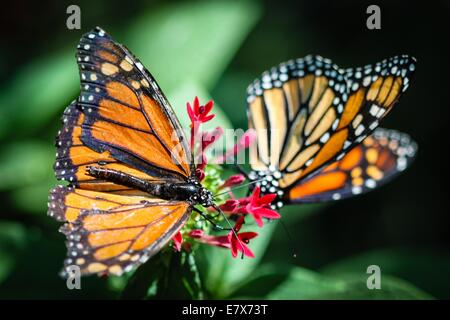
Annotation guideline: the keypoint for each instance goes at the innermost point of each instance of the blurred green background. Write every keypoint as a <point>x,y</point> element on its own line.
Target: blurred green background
<point>214,49</point>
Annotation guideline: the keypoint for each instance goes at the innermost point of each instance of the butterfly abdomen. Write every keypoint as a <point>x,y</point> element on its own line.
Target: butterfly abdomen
<point>189,190</point>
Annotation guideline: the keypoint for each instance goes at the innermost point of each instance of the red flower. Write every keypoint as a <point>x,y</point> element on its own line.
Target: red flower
<point>229,241</point>
<point>218,241</point>
<point>208,138</point>
<point>230,205</point>
<point>177,241</point>
<point>199,113</point>
<point>233,181</point>
<point>202,161</point>
<point>246,141</point>
<point>200,174</point>
<point>259,207</point>
<point>243,238</point>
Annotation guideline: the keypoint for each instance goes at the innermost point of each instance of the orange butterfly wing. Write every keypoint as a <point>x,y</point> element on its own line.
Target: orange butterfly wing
<point>372,92</point>
<point>73,156</point>
<point>377,160</point>
<point>125,112</point>
<point>309,112</point>
<point>110,233</point>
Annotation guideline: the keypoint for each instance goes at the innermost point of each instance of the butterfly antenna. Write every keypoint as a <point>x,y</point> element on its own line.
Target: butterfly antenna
<point>231,227</point>
<point>288,234</point>
<point>239,186</point>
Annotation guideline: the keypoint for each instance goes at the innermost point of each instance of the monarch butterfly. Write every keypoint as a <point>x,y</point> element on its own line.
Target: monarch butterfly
<point>118,146</point>
<point>313,122</point>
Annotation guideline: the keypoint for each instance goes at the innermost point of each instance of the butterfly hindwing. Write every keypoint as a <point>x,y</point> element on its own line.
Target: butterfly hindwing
<point>378,159</point>
<point>372,92</point>
<point>110,233</point>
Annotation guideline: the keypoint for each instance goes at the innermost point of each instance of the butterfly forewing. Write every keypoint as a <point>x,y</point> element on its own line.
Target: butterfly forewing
<point>125,112</point>
<point>309,112</point>
<point>370,94</point>
<point>73,156</point>
<point>293,108</point>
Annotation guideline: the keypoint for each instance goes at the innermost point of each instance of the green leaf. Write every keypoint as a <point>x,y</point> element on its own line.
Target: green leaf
<point>305,284</point>
<point>25,163</point>
<point>12,242</point>
<point>299,283</point>
<point>27,103</point>
<point>33,198</point>
<point>191,276</point>
<point>181,279</point>
<point>192,41</point>
<point>144,278</point>
<point>392,288</point>
<point>26,170</point>
<point>168,275</point>
<point>424,267</point>
<point>36,267</point>
<point>262,281</point>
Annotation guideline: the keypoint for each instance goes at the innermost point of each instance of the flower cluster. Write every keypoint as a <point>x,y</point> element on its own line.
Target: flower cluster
<point>231,209</point>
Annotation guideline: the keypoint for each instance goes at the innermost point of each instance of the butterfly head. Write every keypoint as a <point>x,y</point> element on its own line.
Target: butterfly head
<point>201,195</point>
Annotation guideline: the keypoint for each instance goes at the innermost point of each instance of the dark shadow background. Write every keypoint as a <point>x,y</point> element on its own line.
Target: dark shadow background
<point>404,224</point>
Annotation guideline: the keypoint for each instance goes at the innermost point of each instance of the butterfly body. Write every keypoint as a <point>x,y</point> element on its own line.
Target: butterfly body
<point>190,190</point>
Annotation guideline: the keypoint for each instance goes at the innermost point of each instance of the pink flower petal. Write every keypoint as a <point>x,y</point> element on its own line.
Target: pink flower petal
<point>267,213</point>
<point>247,235</point>
<point>238,224</point>
<point>266,199</point>
<point>209,138</point>
<point>177,241</point>
<point>218,241</point>
<point>207,118</point>
<point>246,140</point>
<point>255,194</point>
<point>200,174</point>
<point>255,215</point>
<point>196,105</point>
<point>233,181</point>
<point>196,233</point>
<point>230,205</point>
<point>208,106</point>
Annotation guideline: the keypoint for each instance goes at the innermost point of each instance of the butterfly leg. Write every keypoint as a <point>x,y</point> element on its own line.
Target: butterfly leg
<point>209,219</point>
